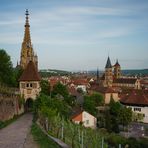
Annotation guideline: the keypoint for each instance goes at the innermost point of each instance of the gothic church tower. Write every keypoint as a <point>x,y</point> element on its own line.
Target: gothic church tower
<point>108,74</point>
<point>117,70</point>
<point>27,53</point>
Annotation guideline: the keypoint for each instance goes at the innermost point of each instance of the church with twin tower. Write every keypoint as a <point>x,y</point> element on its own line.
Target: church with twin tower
<point>29,82</point>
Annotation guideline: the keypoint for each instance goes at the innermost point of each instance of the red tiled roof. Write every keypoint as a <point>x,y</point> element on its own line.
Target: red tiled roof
<point>125,80</point>
<point>80,82</point>
<point>103,90</point>
<point>30,73</point>
<point>134,99</point>
<point>77,114</point>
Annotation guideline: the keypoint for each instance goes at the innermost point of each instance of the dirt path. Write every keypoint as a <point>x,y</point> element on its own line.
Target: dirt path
<point>17,134</point>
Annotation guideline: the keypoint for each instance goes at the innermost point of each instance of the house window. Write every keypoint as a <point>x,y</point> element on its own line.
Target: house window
<point>87,121</point>
<point>30,84</point>
<point>22,85</point>
<point>137,109</point>
<point>27,85</point>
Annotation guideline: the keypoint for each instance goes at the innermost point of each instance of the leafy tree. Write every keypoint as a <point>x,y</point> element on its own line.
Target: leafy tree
<point>6,69</point>
<point>108,121</point>
<point>114,107</point>
<point>45,87</point>
<point>92,101</point>
<point>43,102</point>
<point>89,105</point>
<point>60,89</point>
<point>137,116</point>
<point>98,99</point>
<point>114,112</point>
<point>125,116</point>
<point>17,72</point>
<point>70,100</point>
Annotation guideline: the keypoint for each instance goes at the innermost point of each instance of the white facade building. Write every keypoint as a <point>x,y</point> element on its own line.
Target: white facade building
<point>85,118</point>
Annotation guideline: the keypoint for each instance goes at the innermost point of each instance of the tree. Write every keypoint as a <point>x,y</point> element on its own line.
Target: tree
<point>125,116</point>
<point>93,101</point>
<point>17,72</point>
<point>114,112</point>
<point>137,116</point>
<point>89,105</point>
<point>43,102</point>
<point>114,107</point>
<point>60,89</point>
<point>45,87</point>
<point>98,99</point>
<point>6,69</point>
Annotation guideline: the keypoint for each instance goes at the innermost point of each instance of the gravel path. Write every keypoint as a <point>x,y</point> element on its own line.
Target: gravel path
<point>17,134</point>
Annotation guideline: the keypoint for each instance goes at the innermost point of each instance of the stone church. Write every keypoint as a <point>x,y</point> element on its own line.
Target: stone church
<point>112,77</point>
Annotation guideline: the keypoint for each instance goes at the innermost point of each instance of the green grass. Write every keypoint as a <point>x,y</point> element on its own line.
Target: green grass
<point>41,138</point>
<point>6,123</point>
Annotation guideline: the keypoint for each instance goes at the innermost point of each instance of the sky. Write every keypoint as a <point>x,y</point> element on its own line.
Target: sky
<point>78,34</point>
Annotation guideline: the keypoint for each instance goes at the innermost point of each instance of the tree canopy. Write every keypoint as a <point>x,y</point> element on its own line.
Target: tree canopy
<point>60,89</point>
<point>45,87</point>
<point>93,101</point>
<point>6,70</point>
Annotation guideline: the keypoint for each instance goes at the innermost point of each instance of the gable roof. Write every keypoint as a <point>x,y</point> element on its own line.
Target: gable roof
<point>102,90</point>
<point>125,80</point>
<point>135,98</point>
<point>108,64</point>
<point>30,73</point>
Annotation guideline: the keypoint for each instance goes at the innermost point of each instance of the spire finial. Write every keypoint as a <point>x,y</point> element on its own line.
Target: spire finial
<point>108,53</point>
<point>27,12</point>
<point>27,18</point>
<point>98,74</point>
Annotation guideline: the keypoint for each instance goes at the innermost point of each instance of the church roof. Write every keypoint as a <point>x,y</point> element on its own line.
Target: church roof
<point>117,64</point>
<point>125,80</point>
<point>30,73</point>
<point>108,64</point>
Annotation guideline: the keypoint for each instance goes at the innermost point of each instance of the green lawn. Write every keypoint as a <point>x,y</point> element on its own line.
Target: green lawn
<point>41,138</point>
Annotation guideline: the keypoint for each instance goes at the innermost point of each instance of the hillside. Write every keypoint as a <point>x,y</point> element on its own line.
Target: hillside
<point>53,72</point>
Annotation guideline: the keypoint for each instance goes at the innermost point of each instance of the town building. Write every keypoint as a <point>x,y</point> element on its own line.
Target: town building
<point>30,82</point>
<point>107,93</point>
<point>84,118</point>
<point>138,102</point>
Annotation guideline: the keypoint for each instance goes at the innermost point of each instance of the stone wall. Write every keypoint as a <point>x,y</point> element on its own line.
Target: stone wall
<point>9,106</point>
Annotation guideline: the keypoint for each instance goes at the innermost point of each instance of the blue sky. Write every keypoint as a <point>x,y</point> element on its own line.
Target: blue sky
<point>78,34</point>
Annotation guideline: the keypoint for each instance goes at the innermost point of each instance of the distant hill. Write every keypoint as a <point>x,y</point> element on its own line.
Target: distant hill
<point>53,72</point>
<point>130,72</point>
<point>135,72</point>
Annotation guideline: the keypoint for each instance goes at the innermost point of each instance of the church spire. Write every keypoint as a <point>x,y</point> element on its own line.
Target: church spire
<point>97,75</point>
<point>27,37</point>
<point>27,53</point>
<point>108,63</point>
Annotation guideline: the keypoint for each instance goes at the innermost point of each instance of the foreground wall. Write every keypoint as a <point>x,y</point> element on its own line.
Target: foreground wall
<point>9,106</point>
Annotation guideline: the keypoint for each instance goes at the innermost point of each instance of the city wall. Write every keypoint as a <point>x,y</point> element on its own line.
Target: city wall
<point>10,106</point>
